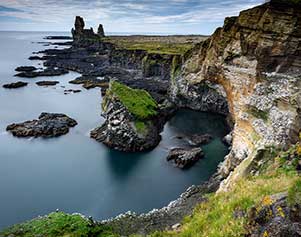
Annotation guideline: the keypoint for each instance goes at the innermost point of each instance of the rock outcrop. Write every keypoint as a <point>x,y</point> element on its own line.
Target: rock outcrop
<point>79,33</point>
<point>48,125</point>
<point>100,31</point>
<point>250,67</point>
<point>132,120</point>
<point>25,69</point>
<point>184,158</point>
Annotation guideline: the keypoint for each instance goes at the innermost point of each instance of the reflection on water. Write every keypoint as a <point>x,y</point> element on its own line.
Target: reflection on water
<point>75,173</point>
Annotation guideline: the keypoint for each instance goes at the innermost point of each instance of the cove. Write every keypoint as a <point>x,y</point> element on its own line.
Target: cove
<point>74,173</point>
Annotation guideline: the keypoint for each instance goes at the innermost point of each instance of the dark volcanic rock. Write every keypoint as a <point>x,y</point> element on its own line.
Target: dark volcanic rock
<point>184,158</point>
<point>198,140</point>
<point>47,83</point>
<point>47,72</point>
<point>100,31</point>
<point>36,58</point>
<point>90,82</point>
<point>48,125</point>
<point>25,69</point>
<point>71,91</point>
<point>15,85</point>
<point>79,32</point>
<point>274,217</point>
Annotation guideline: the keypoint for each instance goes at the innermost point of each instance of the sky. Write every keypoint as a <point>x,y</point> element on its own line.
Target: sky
<point>139,16</point>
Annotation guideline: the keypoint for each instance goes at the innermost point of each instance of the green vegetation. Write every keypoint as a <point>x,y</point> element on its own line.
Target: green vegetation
<point>141,127</point>
<point>138,102</point>
<point>154,47</point>
<point>58,224</point>
<point>294,193</point>
<point>258,113</point>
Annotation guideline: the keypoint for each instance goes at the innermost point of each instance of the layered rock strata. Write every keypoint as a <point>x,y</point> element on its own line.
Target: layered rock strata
<point>251,67</point>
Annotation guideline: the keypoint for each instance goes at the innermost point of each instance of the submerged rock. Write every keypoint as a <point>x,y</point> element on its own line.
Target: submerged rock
<point>47,83</point>
<point>198,140</point>
<point>48,125</point>
<point>25,69</point>
<point>15,85</point>
<point>89,82</point>
<point>47,73</point>
<point>185,158</point>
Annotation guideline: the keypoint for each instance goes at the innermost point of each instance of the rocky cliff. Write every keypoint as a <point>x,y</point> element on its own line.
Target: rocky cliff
<point>251,65</point>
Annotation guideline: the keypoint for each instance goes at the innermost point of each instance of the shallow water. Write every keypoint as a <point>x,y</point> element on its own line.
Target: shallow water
<point>73,172</point>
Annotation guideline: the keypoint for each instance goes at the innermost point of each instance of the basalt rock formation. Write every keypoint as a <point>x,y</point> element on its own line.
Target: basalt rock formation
<point>48,125</point>
<point>250,67</point>
<point>79,33</point>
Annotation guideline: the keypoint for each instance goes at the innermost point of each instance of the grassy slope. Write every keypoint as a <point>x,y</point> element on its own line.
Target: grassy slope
<point>138,102</point>
<point>215,217</point>
<point>58,224</point>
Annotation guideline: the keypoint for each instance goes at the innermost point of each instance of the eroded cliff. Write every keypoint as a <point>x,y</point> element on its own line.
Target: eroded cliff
<point>254,63</point>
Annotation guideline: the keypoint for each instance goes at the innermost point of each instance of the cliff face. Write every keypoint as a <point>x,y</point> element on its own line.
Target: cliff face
<point>254,63</point>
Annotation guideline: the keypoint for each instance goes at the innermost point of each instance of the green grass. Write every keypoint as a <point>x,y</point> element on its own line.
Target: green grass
<point>294,194</point>
<point>138,102</point>
<point>152,47</point>
<point>58,224</point>
<point>141,127</point>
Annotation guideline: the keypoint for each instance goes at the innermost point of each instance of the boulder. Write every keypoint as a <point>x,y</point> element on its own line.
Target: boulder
<point>47,125</point>
<point>198,140</point>
<point>185,158</point>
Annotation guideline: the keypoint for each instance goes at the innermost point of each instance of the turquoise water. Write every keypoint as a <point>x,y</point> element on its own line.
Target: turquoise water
<point>75,173</point>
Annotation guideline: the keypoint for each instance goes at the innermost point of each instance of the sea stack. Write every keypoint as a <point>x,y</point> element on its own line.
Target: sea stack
<point>100,31</point>
<point>79,33</point>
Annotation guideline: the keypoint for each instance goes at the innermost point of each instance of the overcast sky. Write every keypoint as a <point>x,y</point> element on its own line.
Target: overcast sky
<point>153,16</point>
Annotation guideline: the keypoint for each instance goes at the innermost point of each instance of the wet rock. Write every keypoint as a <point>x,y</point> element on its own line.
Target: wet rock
<point>71,91</point>
<point>89,82</point>
<point>185,158</point>
<point>47,125</point>
<point>25,69</point>
<point>46,73</point>
<point>36,58</point>
<point>15,85</point>
<point>198,140</point>
<point>47,83</point>
<point>228,139</point>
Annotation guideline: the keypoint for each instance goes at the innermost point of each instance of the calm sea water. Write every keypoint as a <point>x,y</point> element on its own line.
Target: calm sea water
<point>75,173</point>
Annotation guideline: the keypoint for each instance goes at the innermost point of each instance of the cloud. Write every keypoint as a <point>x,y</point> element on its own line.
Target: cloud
<point>124,15</point>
